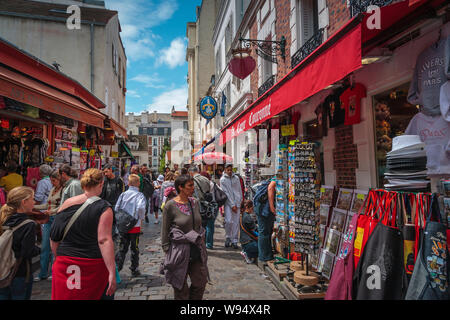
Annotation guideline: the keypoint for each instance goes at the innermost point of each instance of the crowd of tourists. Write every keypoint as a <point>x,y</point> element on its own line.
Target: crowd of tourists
<point>87,224</point>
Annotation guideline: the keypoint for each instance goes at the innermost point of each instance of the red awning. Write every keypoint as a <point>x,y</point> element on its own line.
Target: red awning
<point>330,62</point>
<point>118,128</point>
<point>18,87</point>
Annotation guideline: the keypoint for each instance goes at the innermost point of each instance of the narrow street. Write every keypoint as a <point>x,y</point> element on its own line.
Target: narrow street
<point>231,277</point>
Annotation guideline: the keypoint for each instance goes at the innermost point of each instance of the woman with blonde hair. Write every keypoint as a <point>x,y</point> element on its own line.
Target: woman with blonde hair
<point>81,240</point>
<point>14,215</point>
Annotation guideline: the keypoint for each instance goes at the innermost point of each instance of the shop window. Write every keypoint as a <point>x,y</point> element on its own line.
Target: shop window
<point>392,114</point>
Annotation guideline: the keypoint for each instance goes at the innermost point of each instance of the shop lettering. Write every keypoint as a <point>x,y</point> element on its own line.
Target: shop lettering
<point>260,115</point>
<point>74,281</point>
<point>424,134</point>
<point>74,21</point>
<point>29,98</point>
<point>374,280</point>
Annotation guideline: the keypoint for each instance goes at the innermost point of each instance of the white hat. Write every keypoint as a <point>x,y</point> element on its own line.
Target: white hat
<point>160,178</point>
<point>407,142</point>
<point>445,101</point>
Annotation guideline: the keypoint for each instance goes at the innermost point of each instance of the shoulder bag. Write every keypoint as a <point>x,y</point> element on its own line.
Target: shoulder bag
<point>195,254</point>
<point>77,214</point>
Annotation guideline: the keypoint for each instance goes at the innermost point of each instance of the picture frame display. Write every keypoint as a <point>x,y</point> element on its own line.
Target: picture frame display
<point>359,197</point>
<point>344,199</point>
<point>324,213</point>
<point>326,195</point>
<point>332,240</point>
<point>338,219</point>
<point>326,264</point>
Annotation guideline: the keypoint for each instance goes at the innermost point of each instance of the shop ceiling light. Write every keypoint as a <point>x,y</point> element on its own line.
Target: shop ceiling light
<point>375,59</point>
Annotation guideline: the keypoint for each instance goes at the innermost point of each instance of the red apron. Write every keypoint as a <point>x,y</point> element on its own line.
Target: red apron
<point>78,278</point>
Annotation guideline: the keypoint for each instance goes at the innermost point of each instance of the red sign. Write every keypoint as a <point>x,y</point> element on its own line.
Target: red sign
<point>242,67</point>
<point>336,62</point>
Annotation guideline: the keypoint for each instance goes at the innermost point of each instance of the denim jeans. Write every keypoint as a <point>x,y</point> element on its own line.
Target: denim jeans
<point>210,232</point>
<point>265,229</point>
<point>17,290</point>
<point>251,249</point>
<point>46,252</point>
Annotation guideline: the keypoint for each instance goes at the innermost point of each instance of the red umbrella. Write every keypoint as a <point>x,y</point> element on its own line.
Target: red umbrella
<point>214,157</point>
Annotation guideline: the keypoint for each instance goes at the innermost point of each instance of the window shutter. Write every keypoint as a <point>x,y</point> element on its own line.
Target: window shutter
<point>307,20</point>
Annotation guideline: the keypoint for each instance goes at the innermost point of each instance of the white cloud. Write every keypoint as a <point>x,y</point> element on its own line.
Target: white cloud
<point>175,55</point>
<point>137,17</point>
<point>133,94</point>
<point>149,81</point>
<point>163,103</point>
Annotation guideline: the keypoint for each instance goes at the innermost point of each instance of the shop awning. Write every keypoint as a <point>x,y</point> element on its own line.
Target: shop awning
<point>126,149</point>
<point>118,128</point>
<point>21,88</point>
<point>332,61</point>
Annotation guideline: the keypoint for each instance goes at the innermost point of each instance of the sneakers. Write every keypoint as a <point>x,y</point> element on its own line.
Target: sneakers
<point>246,258</point>
<point>156,221</point>
<point>227,243</point>
<point>235,246</point>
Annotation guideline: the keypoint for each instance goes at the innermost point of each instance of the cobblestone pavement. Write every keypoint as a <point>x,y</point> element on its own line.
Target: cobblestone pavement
<point>231,277</point>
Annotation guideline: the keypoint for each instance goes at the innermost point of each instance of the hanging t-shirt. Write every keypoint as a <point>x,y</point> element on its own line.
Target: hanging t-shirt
<point>321,114</point>
<point>444,100</point>
<point>351,103</point>
<point>429,76</point>
<point>336,114</point>
<point>435,132</point>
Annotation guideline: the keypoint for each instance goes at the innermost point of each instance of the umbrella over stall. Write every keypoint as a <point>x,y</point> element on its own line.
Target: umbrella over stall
<point>214,158</point>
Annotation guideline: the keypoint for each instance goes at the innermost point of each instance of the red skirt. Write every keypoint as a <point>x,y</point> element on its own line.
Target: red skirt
<point>78,278</point>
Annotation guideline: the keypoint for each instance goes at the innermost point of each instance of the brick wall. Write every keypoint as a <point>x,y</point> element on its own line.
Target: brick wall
<point>345,157</point>
<point>339,14</point>
<point>255,74</point>
<point>282,28</point>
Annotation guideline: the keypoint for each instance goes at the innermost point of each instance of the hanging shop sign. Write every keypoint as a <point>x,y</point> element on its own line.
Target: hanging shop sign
<point>208,107</point>
<point>288,130</point>
<point>242,66</point>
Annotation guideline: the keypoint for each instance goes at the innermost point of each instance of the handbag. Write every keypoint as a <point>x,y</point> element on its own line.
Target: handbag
<point>207,209</point>
<point>219,195</point>
<point>194,253</point>
<point>124,221</point>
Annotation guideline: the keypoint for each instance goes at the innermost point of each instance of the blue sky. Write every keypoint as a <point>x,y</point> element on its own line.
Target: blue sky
<point>154,37</point>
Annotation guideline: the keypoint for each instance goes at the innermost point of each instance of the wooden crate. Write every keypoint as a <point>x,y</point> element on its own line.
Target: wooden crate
<point>281,270</point>
<point>302,296</point>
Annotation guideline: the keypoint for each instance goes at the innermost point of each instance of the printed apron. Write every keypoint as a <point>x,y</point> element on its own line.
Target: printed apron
<point>380,273</point>
<point>431,277</point>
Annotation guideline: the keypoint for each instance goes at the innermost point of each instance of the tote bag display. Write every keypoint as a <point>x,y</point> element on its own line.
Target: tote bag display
<point>380,273</point>
<point>431,277</point>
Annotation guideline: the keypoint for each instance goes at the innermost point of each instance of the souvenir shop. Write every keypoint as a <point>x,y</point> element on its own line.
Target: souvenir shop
<point>43,122</point>
<point>366,167</point>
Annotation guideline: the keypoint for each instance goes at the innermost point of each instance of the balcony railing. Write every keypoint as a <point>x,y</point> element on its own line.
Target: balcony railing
<point>266,86</point>
<point>307,48</point>
<point>358,6</point>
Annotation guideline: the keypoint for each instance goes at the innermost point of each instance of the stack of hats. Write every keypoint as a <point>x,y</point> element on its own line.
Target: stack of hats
<point>406,167</point>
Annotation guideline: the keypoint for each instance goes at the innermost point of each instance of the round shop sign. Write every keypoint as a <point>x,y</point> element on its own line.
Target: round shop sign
<point>208,107</point>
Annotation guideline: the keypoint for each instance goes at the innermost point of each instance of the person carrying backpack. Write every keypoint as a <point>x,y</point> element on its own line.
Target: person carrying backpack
<point>264,202</point>
<point>17,245</point>
<point>147,189</point>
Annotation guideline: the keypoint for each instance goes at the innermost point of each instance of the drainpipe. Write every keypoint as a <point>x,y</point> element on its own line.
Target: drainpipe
<point>92,57</point>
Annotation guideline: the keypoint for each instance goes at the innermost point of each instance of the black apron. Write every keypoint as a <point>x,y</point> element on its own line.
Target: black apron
<point>380,274</point>
<point>431,277</point>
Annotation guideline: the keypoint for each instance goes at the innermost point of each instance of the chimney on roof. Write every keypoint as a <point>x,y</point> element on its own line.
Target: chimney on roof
<point>173,109</point>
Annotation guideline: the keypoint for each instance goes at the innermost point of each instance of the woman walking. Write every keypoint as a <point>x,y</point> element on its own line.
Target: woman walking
<point>183,241</point>
<point>13,214</point>
<point>212,221</point>
<point>81,240</point>
<point>51,207</point>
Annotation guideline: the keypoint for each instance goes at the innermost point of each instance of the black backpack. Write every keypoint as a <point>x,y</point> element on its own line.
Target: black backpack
<point>219,195</point>
<point>147,188</point>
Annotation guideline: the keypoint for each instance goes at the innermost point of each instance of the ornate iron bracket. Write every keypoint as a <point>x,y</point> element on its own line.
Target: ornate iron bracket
<point>266,49</point>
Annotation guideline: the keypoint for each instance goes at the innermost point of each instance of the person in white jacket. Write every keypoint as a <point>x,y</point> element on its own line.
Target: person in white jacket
<point>231,185</point>
<point>134,203</point>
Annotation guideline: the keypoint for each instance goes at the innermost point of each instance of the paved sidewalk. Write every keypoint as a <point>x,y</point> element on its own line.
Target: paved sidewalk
<point>231,277</point>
